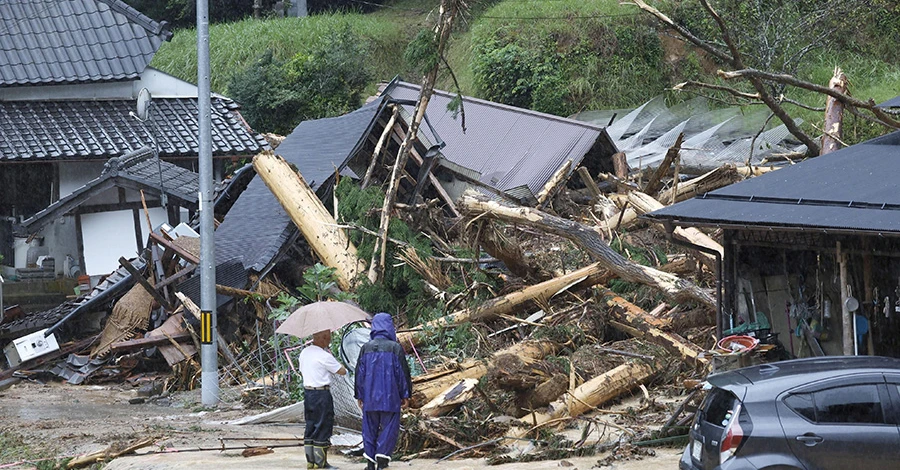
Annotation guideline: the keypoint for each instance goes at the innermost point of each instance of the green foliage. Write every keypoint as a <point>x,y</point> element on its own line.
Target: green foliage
<point>595,60</point>
<point>286,304</point>
<point>401,290</point>
<point>183,13</point>
<point>236,46</point>
<point>319,282</point>
<point>327,81</point>
<point>422,51</point>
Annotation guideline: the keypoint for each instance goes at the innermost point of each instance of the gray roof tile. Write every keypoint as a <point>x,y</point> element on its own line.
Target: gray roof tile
<point>51,130</point>
<point>257,227</point>
<point>74,41</point>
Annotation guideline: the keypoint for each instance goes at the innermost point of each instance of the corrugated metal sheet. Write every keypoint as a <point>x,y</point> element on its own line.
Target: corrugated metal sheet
<point>100,129</point>
<point>891,103</point>
<point>74,41</point>
<point>509,147</point>
<point>257,226</point>
<point>852,189</point>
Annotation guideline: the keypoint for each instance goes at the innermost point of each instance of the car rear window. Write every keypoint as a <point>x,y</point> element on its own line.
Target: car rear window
<point>851,404</point>
<point>720,405</point>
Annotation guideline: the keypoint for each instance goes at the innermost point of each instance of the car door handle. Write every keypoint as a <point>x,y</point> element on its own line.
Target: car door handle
<point>810,439</point>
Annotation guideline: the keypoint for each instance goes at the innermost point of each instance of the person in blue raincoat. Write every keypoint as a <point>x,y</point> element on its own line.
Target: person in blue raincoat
<point>382,387</point>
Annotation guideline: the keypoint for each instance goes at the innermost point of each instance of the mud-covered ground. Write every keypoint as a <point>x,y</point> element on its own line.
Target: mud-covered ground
<point>65,420</point>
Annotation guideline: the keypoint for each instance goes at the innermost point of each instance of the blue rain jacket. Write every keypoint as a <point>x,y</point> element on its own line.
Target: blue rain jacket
<point>382,373</point>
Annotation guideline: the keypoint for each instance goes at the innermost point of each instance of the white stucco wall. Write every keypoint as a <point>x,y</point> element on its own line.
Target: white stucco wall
<point>109,235</point>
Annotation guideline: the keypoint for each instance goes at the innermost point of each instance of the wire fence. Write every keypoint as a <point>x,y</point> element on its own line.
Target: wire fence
<point>265,373</point>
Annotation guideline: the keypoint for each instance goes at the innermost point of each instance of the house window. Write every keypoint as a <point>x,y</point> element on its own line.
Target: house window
<point>25,188</point>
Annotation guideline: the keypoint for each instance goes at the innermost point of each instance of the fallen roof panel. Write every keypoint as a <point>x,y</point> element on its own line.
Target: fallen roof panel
<point>509,147</point>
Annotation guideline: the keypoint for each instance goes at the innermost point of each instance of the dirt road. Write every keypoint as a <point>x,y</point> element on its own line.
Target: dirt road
<point>66,420</point>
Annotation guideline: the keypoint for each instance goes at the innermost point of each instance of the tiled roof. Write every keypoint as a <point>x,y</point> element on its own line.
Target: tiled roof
<point>57,130</point>
<point>136,170</point>
<point>74,41</point>
<point>257,227</point>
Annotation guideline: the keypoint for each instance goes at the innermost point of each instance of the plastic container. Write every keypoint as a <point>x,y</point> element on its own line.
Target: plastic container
<point>737,344</point>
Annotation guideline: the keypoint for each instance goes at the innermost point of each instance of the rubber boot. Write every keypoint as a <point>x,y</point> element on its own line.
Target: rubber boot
<point>310,456</point>
<point>382,462</point>
<point>321,454</point>
<point>370,465</point>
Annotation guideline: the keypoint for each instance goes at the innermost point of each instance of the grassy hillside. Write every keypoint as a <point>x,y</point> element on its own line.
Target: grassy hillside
<point>557,56</point>
<point>234,46</point>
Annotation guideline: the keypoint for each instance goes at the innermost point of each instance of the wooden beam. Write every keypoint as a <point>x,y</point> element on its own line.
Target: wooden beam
<point>187,256</point>
<point>142,343</point>
<point>146,285</point>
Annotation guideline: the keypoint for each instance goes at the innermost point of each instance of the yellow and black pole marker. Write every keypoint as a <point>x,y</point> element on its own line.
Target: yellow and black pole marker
<point>206,335</point>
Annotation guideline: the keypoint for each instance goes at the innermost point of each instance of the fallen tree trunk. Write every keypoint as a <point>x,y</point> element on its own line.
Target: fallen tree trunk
<point>509,303</point>
<point>423,392</point>
<point>592,393</point>
<point>671,285</point>
<point>449,398</point>
<point>834,114</point>
<point>715,179</point>
<point>318,226</point>
<point>642,325</point>
<point>644,204</point>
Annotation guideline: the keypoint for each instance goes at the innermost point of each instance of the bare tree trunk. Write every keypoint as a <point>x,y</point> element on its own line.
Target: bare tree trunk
<point>508,303</point>
<point>638,319</point>
<point>592,393</point>
<point>449,9</point>
<point>834,114</point>
<point>675,288</point>
<point>425,391</point>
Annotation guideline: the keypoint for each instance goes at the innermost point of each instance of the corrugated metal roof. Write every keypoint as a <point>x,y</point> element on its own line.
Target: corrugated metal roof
<point>57,130</point>
<point>852,189</point>
<point>256,226</point>
<point>510,147</point>
<point>891,103</point>
<point>74,41</point>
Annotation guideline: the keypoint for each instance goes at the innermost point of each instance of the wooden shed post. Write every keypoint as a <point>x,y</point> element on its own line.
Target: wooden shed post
<point>846,315</point>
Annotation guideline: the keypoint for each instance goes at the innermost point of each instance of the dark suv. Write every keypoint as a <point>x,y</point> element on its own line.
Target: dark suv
<point>812,414</point>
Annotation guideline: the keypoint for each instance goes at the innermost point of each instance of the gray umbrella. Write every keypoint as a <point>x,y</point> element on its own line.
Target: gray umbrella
<point>321,316</point>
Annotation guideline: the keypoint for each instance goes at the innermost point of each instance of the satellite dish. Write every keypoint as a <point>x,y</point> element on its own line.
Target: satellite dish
<point>143,104</point>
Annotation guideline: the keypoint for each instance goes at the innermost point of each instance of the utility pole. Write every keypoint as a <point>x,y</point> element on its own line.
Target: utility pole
<point>209,367</point>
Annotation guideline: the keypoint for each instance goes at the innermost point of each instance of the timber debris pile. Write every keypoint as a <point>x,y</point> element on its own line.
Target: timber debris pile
<point>521,322</point>
<point>558,323</point>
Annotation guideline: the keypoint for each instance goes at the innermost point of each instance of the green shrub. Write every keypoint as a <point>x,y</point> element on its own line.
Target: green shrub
<point>327,81</point>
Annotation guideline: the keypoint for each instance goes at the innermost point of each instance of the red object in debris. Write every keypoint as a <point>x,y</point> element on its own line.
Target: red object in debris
<point>737,343</point>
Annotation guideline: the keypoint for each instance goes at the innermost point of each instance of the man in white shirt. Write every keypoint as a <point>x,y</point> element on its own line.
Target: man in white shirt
<point>316,366</point>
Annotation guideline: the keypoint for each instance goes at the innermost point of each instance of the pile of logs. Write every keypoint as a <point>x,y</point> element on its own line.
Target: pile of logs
<point>521,379</point>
